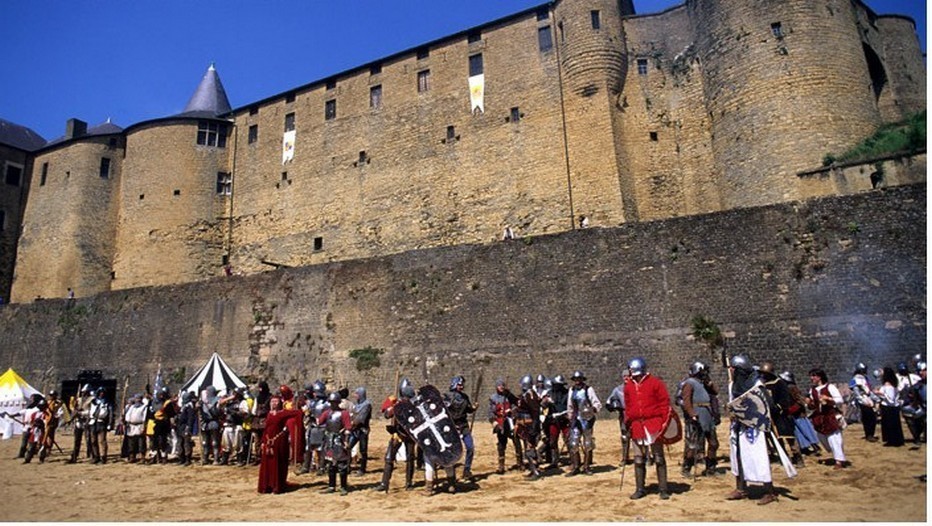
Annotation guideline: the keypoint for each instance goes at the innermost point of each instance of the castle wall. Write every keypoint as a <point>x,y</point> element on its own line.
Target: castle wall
<point>780,97</point>
<point>171,227</point>
<point>903,63</point>
<point>12,205</point>
<point>666,133</point>
<point>413,187</point>
<point>69,223</point>
<point>827,282</point>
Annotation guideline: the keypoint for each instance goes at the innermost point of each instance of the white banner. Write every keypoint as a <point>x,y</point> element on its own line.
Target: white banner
<point>477,93</point>
<point>288,146</point>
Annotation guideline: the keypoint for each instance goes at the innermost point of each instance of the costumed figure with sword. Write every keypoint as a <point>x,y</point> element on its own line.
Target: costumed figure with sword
<point>459,407</point>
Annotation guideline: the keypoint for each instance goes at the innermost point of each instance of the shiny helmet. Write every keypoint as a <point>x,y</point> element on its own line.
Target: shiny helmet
<point>877,374</point>
<point>767,369</point>
<point>334,398</point>
<point>541,379</point>
<point>548,384</point>
<point>921,366</point>
<point>902,368</point>
<point>740,361</point>
<point>526,383</point>
<point>578,375</point>
<point>406,388</point>
<point>457,381</point>
<point>100,392</point>
<point>788,377</point>
<point>860,368</point>
<point>697,368</point>
<point>637,366</point>
<point>53,394</point>
<point>559,380</point>
<point>86,389</point>
<point>319,389</point>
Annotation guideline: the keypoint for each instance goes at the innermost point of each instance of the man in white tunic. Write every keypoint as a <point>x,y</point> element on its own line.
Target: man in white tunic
<point>750,462</point>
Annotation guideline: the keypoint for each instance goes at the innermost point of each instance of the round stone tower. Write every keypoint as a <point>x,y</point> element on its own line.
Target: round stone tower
<point>785,83</point>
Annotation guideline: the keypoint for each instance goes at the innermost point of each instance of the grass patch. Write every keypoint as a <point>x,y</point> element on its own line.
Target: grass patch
<point>907,137</point>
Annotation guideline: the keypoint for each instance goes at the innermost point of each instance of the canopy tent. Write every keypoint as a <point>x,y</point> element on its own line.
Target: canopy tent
<point>14,396</point>
<point>216,373</point>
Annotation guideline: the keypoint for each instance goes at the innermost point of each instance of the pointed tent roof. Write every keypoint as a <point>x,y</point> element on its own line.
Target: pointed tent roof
<point>209,99</point>
<point>14,392</point>
<point>216,373</point>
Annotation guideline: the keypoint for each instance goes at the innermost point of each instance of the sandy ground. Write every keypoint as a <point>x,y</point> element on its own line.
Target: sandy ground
<point>881,485</point>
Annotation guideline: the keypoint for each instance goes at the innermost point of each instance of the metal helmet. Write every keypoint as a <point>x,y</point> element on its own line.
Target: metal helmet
<point>188,396</point>
<point>740,361</point>
<point>559,380</point>
<point>548,384</point>
<point>211,391</point>
<point>767,368</point>
<point>457,381</point>
<point>53,394</point>
<point>100,391</point>
<point>788,377</point>
<point>334,398</point>
<point>406,388</point>
<point>697,368</point>
<point>902,368</point>
<point>319,388</point>
<point>860,368</point>
<point>578,375</point>
<point>921,366</point>
<point>526,382</point>
<point>877,374</point>
<point>86,389</point>
<point>637,366</point>
<point>541,379</point>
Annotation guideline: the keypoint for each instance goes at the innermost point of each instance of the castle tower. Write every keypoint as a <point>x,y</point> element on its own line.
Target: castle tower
<point>170,225</point>
<point>593,61</point>
<point>784,84</point>
<point>68,225</point>
<point>904,90</point>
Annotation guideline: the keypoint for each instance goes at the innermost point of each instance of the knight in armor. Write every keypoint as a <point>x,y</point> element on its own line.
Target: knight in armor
<point>186,427</point>
<point>697,396</point>
<point>259,411</point>
<point>79,414</point>
<point>866,401</point>
<point>616,403</point>
<point>398,439</point>
<point>581,409</point>
<point>459,407</point>
<point>231,437</point>
<point>543,387</point>
<point>209,413</point>
<point>362,415</point>
<point>501,405</point>
<point>559,422</point>
<point>52,416</point>
<point>803,431</point>
<point>750,461</point>
<point>907,390</point>
<point>647,412</point>
<point>163,411</point>
<point>527,425</point>
<point>780,402</point>
<point>315,406</point>
<point>337,424</point>
<point>100,421</point>
<point>135,419</point>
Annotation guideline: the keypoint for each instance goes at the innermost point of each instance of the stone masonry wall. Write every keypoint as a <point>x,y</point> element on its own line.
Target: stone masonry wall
<point>12,204</point>
<point>826,282</point>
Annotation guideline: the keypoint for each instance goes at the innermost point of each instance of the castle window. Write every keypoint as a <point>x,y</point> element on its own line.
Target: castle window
<point>330,110</point>
<point>142,196</point>
<point>112,142</point>
<point>284,176</point>
<point>515,114</point>
<point>474,36</point>
<point>289,98</point>
<point>363,158</point>
<point>777,29</point>
<point>318,243</point>
<point>653,136</point>
<point>253,110</point>
<point>104,168</point>
<point>562,34</point>
<point>423,53</point>
<point>253,133</point>
<point>475,65</point>
<point>289,122</point>
<point>543,14</point>
<point>423,81</point>
<point>331,84</point>
<point>13,175</point>
<point>544,39</point>
<point>45,174</point>
<point>596,19</point>
<point>224,183</point>
<point>375,97</point>
<point>212,134</point>
<point>375,69</point>
<point>451,133</point>
<point>642,66</point>
<point>176,192</point>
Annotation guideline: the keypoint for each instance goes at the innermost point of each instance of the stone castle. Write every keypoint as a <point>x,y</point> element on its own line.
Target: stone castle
<point>574,109</point>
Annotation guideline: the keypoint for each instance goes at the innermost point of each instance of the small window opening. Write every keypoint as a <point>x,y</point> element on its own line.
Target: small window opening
<point>562,34</point>
<point>475,65</point>
<point>330,110</point>
<point>253,110</point>
<point>331,84</point>
<point>289,98</point>
<point>113,275</point>
<point>142,196</point>
<point>225,260</point>
<point>544,39</point>
<point>653,136</point>
<point>318,243</point>
<point>289,122</point>
<point>375,97</point>
<point>642,66</point>
<point>777,29</point>
<point>375,69</point>
<point>45,174</point>
<point>474,36</point>
<point>543,14</point>
<point>451,133</point>
<point>363,159</point>
<point>423,53</point>
<point>224,183</point>
<point>104,168</point>
<point>596,19</point>
<point>176,192</point>
<point>515,114</point>
<point>423,81</point>
<point>284,176</point>
<point>253,133</point>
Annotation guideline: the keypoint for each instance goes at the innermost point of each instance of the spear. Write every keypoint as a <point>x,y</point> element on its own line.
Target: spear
<point>472,419</point>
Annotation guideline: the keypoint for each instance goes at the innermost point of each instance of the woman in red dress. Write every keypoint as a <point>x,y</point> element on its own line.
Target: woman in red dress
<point>295,427</point>
<point>273,465</point>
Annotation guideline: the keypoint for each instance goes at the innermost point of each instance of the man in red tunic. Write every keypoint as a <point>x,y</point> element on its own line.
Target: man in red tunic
<point>647,409</point>
<point>273,465</point>
<point>295,427</point>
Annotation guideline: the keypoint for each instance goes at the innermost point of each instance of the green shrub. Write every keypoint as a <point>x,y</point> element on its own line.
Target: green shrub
<point>366,358</point>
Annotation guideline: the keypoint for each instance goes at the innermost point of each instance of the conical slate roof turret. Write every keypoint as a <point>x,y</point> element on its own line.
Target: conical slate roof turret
<point>209,99</point>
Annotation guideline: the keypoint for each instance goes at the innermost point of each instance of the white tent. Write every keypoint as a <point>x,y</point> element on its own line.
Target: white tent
<point>216,373</point>
<point>14,396</point>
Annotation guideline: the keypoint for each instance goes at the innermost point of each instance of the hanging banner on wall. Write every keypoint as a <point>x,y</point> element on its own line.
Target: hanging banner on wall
<point>288,146</point>
<point>477,93</point>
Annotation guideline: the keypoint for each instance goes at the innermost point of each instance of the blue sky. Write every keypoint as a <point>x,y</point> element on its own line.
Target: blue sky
<point>135,60</point>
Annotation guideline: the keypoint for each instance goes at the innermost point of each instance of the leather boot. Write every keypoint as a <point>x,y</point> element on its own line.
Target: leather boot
<point>662,481</point>
<point>587,463</point>
<point>452,487</point>
<point>428,487</point>
<point>640,474</point>
<point>386,477</point>
<point>574,466</point>
<point>710,466</point>
<point>687,469</point>
<point>501,466</point>
<point>409,475</point>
